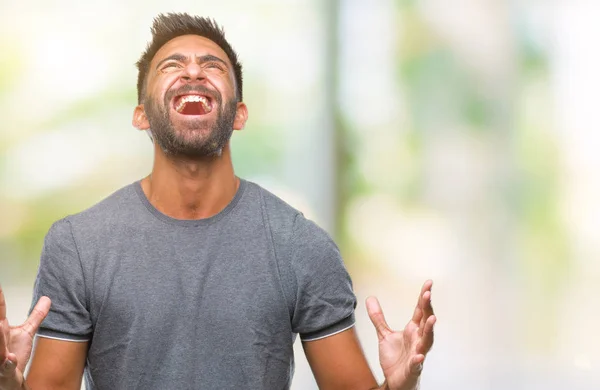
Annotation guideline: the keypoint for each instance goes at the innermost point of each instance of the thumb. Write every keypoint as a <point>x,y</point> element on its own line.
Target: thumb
<point>39,312</point>
<point>8,368</point>
<point>416,364</point>
<point>377,318</point>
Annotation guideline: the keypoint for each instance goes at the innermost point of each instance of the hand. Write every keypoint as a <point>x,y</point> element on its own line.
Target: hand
<point>402,353</point>
<point>16,343</point>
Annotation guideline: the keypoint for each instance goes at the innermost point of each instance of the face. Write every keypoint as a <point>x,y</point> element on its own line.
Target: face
<point>190,104</point>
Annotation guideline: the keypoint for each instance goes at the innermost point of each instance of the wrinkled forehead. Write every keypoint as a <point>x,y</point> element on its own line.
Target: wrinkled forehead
<point>190,46</point>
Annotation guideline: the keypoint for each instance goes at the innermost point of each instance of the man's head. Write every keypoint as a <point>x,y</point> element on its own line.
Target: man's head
<point>173,25</point>
<point>189,87</point>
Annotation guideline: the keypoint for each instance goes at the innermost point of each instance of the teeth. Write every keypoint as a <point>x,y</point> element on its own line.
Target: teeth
<point>193,98</point>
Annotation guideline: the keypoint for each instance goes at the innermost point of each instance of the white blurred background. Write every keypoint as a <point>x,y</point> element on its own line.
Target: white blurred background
<point>457,140</point>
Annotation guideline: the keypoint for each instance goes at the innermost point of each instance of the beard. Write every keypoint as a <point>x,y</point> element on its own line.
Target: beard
<point>195,141</point>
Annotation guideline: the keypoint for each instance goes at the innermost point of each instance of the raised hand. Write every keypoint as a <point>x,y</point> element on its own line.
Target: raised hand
<point>16,343</point>
<point>402,353</point>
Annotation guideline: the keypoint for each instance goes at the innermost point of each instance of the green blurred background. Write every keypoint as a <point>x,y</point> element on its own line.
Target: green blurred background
<point>444,139</point>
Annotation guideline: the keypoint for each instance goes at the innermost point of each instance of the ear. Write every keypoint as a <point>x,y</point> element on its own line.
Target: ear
<point>140,121</point>
<point>241,116</point>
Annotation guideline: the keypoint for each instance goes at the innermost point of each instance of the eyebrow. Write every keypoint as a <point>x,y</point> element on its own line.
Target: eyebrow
<point>182,58</point>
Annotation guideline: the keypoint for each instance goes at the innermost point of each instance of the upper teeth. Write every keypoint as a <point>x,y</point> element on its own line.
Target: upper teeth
<point>193,98</point>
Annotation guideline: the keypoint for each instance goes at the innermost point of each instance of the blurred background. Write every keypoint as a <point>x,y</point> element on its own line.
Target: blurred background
<point>448,139</point>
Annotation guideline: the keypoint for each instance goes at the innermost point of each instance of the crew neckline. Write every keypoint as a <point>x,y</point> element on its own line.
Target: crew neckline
<point>190,222</point>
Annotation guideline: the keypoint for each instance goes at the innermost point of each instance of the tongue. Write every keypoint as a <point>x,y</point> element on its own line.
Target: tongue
<point>193,108</point>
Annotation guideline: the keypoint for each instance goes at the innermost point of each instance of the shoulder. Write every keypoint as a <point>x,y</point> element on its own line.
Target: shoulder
<point>285,221</point>
<point>117,201</point>
<point>99,216</point>
<point>273,205</point>
<point>290,230</point>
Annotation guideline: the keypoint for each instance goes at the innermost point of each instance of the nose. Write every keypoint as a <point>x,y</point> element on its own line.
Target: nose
<point>192,73</point>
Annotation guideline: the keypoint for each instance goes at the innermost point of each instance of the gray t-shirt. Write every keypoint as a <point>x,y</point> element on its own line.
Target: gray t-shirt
<point>192,304</point>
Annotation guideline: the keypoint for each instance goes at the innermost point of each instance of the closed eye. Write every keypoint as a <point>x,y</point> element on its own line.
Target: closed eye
<point>171,65</point>
<point>214,65</point>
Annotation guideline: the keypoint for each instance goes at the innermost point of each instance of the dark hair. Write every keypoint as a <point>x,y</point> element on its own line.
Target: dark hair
<point>172,25</point>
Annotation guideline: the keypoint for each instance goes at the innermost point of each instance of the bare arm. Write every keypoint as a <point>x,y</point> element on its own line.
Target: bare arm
<point>338,362</point>
<point>57,364</point>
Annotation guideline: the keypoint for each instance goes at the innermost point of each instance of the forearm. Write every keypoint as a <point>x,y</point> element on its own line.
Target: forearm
<point>46,385</point>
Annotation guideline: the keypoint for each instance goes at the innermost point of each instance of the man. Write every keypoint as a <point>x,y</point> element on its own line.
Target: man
<point>193,278</point>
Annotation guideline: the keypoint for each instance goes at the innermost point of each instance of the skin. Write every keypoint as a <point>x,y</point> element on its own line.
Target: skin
<point>190,188</point>
<point>200,187</point>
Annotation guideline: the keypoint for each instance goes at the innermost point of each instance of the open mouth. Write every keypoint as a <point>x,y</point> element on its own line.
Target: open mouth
<point>192,104</point>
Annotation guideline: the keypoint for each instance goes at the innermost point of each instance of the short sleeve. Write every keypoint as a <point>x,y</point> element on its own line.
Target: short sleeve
<point>325,301</point>
<point>60,277</point>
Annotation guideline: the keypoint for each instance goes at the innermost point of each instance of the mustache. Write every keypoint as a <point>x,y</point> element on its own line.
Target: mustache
<point>200,89</point>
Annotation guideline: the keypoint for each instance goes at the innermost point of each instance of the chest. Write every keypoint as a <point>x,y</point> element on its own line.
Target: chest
<point>204,288</point>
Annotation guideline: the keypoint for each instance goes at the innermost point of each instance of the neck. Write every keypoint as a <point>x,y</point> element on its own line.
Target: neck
<point>191,189</point>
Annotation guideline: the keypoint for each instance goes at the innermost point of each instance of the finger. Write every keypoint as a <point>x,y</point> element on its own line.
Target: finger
<point>377,318</point>
<point>3,343</point>
<point>39,312</point>
<point>8,368</point>
<point>416,364</point>
<point>426,287</point>
<point>427,306</point>
<point>418,313</point>
<point>425,303</point>
<point>426,341</point>
<point>2,305</point>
